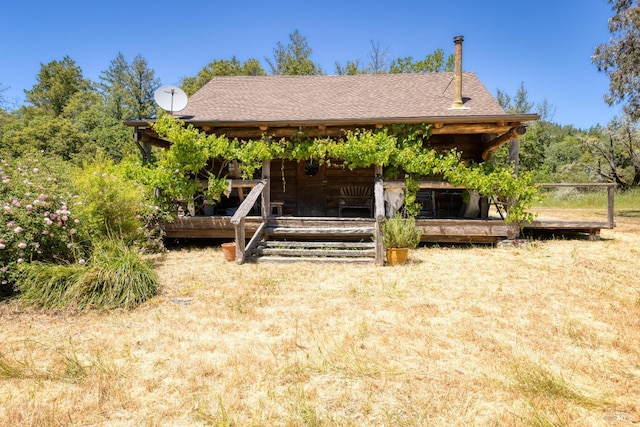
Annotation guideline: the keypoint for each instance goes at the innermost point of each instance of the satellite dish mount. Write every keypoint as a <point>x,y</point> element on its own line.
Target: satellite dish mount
<point>170,98</point>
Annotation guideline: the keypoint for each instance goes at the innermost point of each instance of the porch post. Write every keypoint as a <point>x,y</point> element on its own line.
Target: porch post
<point>514,154</point>
<point>378,207</point>
<point>266,193</point>
<point>610,210</point>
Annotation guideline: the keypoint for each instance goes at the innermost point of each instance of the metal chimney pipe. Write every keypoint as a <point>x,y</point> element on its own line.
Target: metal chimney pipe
<point>457,99</point>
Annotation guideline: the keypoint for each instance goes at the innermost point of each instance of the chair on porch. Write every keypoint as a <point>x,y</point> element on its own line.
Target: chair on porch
<point>427,201</point>
<point>355,197</point>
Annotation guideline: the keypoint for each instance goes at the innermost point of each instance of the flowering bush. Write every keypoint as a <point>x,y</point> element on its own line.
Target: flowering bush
<point>37,222</point>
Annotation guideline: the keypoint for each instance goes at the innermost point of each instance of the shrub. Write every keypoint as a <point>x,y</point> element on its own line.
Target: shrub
<point>37,220</point>
<point>111,205</point>
<point>398,232</point>
<point>116,276</point>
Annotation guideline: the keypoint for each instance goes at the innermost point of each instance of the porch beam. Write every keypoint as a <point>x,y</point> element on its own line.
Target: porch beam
<point>425,185</point>
<point>338,131</point>
<point>494,144</point>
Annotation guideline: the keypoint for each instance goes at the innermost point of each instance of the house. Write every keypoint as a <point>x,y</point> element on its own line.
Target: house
<point>463,114</point>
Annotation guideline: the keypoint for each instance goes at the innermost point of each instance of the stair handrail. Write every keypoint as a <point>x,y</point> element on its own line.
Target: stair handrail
<point>378,193</point>
<point>238,219</point>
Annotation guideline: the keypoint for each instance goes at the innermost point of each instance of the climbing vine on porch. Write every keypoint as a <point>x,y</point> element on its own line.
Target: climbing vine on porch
<point>179,170</point>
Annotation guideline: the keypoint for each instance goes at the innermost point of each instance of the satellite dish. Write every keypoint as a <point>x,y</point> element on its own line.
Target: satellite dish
<point>170,98</point>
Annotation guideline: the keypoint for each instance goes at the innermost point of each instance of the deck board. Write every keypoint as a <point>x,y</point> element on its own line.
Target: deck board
<point>433,230</point>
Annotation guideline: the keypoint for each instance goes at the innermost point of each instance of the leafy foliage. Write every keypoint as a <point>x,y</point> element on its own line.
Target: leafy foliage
<point>435,62</point>
<point>221,67</point>
<point>52,135</point>
<point>57,82</point>
<point>619,58</point>
<point>399,232</point>
<point>127,89</point>
<point>400,147</point>
<point>294,59</point>
<point>110,204</point>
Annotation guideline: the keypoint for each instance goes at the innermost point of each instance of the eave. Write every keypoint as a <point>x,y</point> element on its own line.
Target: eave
<point>442,125</point>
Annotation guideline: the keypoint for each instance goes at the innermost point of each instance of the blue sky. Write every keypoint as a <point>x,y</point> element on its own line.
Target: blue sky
<point>545,44</point>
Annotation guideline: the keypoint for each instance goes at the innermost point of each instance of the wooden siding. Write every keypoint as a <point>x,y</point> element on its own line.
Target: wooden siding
<point>314,195</point>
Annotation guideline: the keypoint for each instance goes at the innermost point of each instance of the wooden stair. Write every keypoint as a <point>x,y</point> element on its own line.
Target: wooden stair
<point>316,240</point>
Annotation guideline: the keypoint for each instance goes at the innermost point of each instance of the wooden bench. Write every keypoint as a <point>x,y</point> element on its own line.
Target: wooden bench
<point>355,197</point>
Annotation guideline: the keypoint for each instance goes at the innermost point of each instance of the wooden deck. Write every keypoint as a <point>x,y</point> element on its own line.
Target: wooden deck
<point>288,238</point>
<point>433,230</point>
<point>566,227</point>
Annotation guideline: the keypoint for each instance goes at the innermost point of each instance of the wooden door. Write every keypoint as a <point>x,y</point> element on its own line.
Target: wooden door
<point>311,189</point>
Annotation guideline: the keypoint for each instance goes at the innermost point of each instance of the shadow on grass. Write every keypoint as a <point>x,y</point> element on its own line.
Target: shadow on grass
<point>561,235</point>
<point>629,213</point>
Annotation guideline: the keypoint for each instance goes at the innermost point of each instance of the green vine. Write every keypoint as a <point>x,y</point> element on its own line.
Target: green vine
<point>411,206</point>
<point>397,147</point>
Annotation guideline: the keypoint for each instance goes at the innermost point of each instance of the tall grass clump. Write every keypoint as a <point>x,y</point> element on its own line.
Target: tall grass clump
<point>116,276</point>
<point>536,380</point>
<point>46,285</point>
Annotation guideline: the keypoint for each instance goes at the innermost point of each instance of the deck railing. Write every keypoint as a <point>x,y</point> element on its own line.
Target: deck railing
<point>238,219</point>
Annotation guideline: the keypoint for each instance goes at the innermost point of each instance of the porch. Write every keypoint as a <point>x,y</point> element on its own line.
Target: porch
<point>262,234</point>
<point>269,236</point>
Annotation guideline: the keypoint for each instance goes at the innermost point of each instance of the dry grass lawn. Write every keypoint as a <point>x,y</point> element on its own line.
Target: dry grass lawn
<point>544,334</point>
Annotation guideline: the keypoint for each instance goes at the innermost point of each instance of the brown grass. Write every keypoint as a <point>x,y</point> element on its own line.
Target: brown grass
<point>545,334</point>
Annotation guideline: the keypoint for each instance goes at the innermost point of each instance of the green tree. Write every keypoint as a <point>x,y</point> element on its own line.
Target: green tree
<point>540,134</point>
<point>435,62</point>
<point>141,83</point>
<point>221,67</point>
<point>57,82</point>
<point>106,133</point>
<point>294,58</point>
<point>519,104</point>
<point>567,160</point>
<point>620,58</point>
<point>113,86</point>
<point>51,135</point>
<point>350,68</point>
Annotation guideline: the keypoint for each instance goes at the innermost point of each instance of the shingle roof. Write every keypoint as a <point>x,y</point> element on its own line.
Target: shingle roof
<point>318,98</point>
